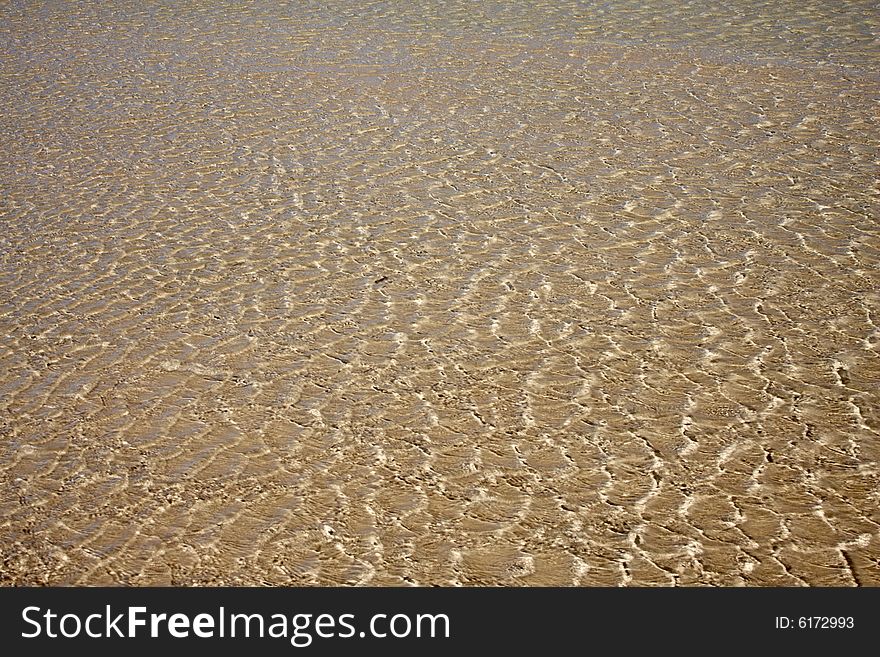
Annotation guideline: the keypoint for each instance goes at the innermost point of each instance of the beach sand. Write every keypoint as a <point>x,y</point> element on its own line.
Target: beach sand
<point>465,295</point>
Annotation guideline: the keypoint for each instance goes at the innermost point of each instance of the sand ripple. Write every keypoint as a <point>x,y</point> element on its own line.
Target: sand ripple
<point>461,297</point>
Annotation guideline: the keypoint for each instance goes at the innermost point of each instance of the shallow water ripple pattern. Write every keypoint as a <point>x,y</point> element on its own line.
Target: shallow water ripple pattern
<point>491,293</point>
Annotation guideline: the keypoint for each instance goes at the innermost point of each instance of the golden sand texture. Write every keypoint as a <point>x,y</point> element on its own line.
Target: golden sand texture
<point>481,293</point>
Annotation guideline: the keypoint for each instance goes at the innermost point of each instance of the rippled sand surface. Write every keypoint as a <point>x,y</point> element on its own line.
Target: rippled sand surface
<point>480,293</point>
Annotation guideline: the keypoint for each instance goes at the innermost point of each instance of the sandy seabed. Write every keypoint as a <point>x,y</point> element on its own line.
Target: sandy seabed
<point>332,295</point>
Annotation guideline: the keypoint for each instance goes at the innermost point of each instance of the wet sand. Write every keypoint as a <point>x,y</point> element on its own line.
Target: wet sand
<point>471,295</point>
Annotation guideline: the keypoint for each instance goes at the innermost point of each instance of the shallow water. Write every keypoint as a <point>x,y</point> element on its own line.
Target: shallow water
<point>558,293</point>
